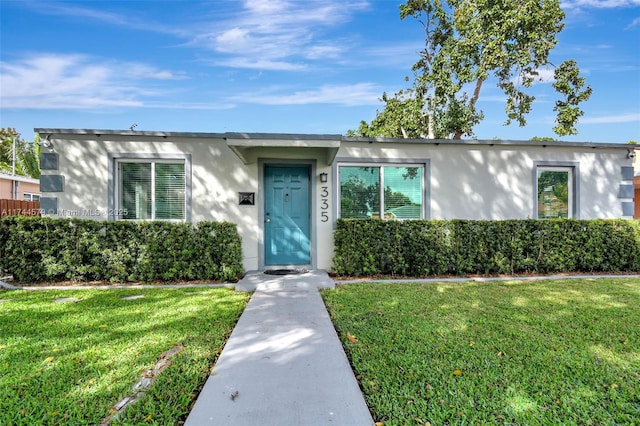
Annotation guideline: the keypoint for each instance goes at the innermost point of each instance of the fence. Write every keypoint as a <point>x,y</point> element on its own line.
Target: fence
<point>19,208</point>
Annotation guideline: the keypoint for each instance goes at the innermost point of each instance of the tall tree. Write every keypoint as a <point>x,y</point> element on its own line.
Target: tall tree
<point>470,42</point>
<point>6,147</point>
<point>27,154</point>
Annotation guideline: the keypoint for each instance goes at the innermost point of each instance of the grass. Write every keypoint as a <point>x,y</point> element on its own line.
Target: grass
<point>526,353</point>
<point>69,363</point>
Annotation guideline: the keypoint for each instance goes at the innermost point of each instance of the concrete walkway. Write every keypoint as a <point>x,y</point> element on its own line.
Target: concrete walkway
<point>284,363</point>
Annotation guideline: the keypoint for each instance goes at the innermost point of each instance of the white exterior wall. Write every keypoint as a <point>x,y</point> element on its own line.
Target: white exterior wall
<point>464,180</point>
<point>218,175</point>
<point>473,181</point>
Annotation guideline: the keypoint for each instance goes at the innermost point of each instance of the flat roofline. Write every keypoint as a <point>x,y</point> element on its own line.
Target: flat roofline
<point>99,132</point>
<point>330,137</point>
<point>27,179</point>
<point>284,136</point>
<point>491,142</point>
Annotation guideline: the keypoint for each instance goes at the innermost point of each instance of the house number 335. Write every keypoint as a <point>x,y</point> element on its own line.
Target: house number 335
<point>324,203</point>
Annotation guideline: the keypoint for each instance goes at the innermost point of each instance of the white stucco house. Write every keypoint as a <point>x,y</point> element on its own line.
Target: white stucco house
<point>286,191</point>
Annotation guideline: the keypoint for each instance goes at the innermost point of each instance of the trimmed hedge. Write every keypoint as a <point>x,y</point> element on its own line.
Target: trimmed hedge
<point>419,248</point>
<point>48,249</point>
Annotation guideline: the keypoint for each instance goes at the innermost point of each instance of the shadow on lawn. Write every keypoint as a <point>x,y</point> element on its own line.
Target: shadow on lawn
<point>77,359</point>
<point>515,352</point>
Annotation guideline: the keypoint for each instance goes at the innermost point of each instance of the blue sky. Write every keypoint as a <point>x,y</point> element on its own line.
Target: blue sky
<point>313,66</point>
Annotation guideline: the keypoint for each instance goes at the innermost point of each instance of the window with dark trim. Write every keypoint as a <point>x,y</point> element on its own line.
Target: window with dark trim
<point>151,189</point>
<point>555,189</point>
<point>381,191</point>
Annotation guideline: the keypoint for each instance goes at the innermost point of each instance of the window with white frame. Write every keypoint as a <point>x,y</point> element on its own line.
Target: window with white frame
<point>31,197</point>
<point>556,188</point>
<point>381,191</point>
<point>151,189</point>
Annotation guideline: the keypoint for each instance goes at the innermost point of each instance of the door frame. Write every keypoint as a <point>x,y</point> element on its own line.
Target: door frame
<point>311,164</point>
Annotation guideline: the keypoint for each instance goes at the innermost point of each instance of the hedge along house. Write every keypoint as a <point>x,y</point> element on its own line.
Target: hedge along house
<point>285,191</point>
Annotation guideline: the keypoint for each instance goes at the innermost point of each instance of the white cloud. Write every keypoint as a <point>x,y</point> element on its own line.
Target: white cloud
<point>633,24</point>
<point>266,6</point>
<point>323,52</point>
<point>341,94</point>
<point>249,34</point>
<point>146,72</point>
<point>261,64</point>
<point>544,75</point>
<point>179,105</point>
<point>599,4</point>
<point>618,118</point>
<point>232,40</point>
<point>268,32</point>
<point>76,82</point>
<point>85,13</point>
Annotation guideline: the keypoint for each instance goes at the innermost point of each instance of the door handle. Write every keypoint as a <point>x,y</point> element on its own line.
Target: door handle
<point>267,219</point>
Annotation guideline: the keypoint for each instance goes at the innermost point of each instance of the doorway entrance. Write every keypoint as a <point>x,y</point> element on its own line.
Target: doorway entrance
<point>287,215</point>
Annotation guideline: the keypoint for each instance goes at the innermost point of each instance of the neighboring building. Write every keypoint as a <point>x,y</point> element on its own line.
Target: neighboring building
<point>19,188</point>
<point>636,183</point>
<point>285,191</point>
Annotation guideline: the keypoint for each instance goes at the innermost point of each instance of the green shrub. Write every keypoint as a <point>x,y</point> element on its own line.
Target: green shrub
<point>46,249</point>
<point>461,247</point>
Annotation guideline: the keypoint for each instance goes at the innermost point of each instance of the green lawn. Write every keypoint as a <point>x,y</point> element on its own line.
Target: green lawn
<point>69,363</point>
<point>527,353</point>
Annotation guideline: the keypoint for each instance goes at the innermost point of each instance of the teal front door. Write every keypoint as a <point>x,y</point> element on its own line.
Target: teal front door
<point>286,215</point>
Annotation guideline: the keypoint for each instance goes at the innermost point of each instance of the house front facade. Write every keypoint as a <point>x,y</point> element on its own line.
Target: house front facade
<point>286,191</point>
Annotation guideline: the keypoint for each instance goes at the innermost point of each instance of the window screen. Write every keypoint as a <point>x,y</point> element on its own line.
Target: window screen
<point>169,191</point>
<point>152,190</point>
<point>403,192</point>
<point>135,185</point>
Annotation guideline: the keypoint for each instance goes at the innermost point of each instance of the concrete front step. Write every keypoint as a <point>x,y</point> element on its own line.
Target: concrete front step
<point>258,280</point>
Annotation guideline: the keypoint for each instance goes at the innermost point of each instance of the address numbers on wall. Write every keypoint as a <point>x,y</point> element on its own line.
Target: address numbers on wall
<point>324,203</point>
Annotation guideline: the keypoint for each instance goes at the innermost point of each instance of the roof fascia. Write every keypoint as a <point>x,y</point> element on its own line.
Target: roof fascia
<point>485,142</point>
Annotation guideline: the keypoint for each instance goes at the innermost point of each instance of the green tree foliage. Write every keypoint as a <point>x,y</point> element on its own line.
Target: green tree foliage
<point>6,147</point>
<point>403,116</point>
<point>27,154</point>
<point>468,42</point>
<point>543,139</point>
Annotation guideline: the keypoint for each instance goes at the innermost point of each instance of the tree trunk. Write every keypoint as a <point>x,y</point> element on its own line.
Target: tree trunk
<point>472,104</point>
